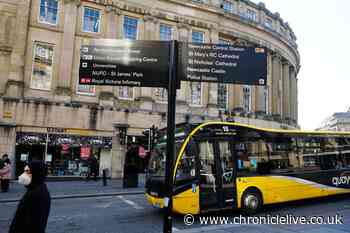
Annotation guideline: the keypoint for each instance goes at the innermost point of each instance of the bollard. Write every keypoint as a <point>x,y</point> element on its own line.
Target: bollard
<point>104,178</point>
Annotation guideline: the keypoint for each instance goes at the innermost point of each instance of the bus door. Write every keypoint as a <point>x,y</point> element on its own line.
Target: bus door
<point>216,175</point>
<point>226,174</point>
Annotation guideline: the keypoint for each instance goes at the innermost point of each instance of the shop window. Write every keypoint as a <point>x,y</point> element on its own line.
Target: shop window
<point>42,66</point>
<point>92,20</point>
<point>48,11</point>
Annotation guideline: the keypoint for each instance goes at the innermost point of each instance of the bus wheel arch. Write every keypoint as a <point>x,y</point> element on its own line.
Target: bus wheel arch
<point>252,200</point>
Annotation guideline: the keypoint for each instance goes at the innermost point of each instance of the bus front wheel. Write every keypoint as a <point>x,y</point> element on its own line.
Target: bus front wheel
<point>251,201</point>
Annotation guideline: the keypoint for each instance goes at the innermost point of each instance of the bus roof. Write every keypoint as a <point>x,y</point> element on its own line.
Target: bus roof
<point>183,127</point>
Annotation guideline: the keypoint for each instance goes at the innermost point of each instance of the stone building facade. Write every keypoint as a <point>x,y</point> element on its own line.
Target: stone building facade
<point>45,113</point>
<point>339,121</point>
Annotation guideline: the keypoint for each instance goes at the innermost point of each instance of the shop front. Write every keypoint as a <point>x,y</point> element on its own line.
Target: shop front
<point>65,154</point>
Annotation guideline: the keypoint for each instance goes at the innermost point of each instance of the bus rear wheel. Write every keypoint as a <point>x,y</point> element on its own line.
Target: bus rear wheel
<point>251,201</point>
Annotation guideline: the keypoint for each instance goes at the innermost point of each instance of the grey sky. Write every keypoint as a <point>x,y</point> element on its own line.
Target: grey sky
<point>323,31</point>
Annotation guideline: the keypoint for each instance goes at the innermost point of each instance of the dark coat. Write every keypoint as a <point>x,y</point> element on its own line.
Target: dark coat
<point>34,208</point>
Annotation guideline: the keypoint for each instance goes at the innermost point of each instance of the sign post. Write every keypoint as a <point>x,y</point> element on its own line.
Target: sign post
<point>169,167</point>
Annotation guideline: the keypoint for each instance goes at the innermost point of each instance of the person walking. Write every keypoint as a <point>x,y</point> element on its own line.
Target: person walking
<point>93,168</point>
<point>34,208</point>
<point>5,175</point>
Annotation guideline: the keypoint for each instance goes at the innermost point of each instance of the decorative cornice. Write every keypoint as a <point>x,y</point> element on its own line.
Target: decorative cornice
<point>77,2</point>
<point>148,18</point>
<point>181,25</point>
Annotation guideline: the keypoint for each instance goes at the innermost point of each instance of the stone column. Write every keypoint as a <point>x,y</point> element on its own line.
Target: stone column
<point>66,62</point>
<point>15,81</point>
<point>237,96</point>
<point>150,33</point>
<point>286,92</point>
<point>150,30</point>
<point>276,84</point>
<point>106,96</point>
<point>213,87</point>
<point>260,99</point>
<point>118,156</point>
<point>8,143</point>
<point>291,91</point>
<point>294,88</point>
<point>119,35</point>
<point>181,104</point>
<point>296,100</point>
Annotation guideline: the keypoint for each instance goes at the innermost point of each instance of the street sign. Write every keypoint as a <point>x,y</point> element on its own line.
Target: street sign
<point>222,63</point>
<point>125,63</point>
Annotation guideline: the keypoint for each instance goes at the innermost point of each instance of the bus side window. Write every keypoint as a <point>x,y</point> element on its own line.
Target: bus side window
<point>186,167</point>
<point>309,149</point>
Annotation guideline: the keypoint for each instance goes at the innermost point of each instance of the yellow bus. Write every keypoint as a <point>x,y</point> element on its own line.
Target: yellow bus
<point>227,165</point>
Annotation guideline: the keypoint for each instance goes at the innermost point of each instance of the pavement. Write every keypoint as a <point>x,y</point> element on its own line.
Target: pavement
<point>76,189</point>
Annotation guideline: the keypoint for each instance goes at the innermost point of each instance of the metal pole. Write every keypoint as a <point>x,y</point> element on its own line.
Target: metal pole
<point>46,146</point>
<point>168,203</point>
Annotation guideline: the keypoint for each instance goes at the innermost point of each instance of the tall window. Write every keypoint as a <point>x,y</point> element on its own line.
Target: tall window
<point>247,98</point>
<point>48,11</point>
<point>268,23</point>
<point>196,93</point>
<point>197,37</point>
<point>161,94</point>
<point>125,92</point>
<point>227,6</point>
<point>129,32</point>
<point>42,66</point>
<point>251,15</point>
<point>266,99</point>
<point>196,87</point>
<point>92,20</point>
<point>165,32</point>
<point>222,96</point>
<point>223,88</point>
<point>130,28</point>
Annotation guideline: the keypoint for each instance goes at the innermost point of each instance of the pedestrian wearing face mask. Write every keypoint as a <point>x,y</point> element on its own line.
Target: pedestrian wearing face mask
<point>34,208</point>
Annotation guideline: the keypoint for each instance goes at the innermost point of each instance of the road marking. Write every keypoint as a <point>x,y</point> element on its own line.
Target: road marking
<point>131,203</point>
